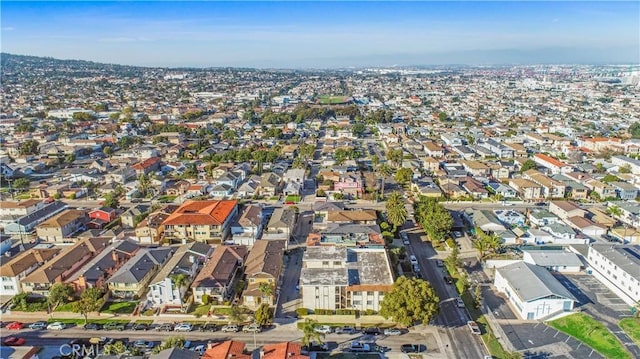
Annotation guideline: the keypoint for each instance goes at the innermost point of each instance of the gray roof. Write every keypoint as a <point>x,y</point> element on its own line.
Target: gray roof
<point>140,265</point>
<point>559,228</point>
<point>627,257</point>
<point>175,353</point>
<point>531,282</point>
<point>542,213</point>
<point>554,258</point>
<point>359,266</point>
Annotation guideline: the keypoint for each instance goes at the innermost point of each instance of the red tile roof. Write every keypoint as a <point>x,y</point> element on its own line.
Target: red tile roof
<point>226,350</point>
<point>550,160</point>
<point>146,163</point>
<point>202,213</point>
<point>286,350</point>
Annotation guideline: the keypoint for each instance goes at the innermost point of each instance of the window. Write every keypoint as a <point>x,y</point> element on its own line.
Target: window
<point>8,287</point>
<point>369,302</point>
<point>337,263</point>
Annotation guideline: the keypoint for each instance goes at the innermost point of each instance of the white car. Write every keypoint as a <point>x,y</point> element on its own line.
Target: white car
<point>413,259</point>
<point>323,329</point>
<point>183,327</point>
<point>56,326</point>
<point>459,303</point>
<point>230,328</point>
<point>251,328</point>
<point>392,331</point>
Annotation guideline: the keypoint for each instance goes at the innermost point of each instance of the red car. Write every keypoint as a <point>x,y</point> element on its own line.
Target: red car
<point>14,341</point>
<point>15,326</point>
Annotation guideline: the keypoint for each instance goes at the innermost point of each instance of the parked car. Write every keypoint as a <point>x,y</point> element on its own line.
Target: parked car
<point>474,327</point>
<point>141,326</point>
<point>314,347</point>
<point>165,328</point>
<point>13,341</point>
<point>392,331</point>
<point>371,331</point>
<point>416,268</point>
<point>323,329</point>
<point>38,325</point>
<point>440,263</point>
<point>114,326</point>
<point>346,330</point>
<point>413,259</point>
<point>251,328</point>
<point>459,303</point>
<point>208,327</point>
<point>380,348</point>
<point>92,326</point>
<point>448,279</point>
<point>183,327</point>
<point>359,347</point>
<point>230,328</point>
<point>15,326</point>
<point>200,349</point>
<point>56,326</point>
<point>143,344</point>
<point>413,348</point>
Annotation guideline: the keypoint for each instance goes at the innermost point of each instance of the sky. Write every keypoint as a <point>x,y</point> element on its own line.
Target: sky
<point>325,34</point>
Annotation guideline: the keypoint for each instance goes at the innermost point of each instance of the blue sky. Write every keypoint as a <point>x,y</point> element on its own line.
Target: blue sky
<point>323,34</point>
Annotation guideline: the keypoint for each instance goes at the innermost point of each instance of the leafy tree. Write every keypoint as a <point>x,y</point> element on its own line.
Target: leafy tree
<point>143,184</point>
<point>236,314</point>
<point>528,165</point>
<point>614,211</point>
<point>384,171</point>
<point>91,300</point>
<point>485,243</point>
<point>264,315</point>
<point>634,130</point>
<point>359,129</point>
<point>29,147</point>
<point>21,183</point>
<point>111,201</point>
<point>83,116</point>
<point>625,169</point>
<point>396,211</point>
<point>59,293</point>
<point>266,289</point>
<point>404,175</point>
<point>125,142</point>
<point>115,348</point>
<point>477,297</point>
<point>395,156</point>
<point>608,178</point>
<point>171,342</point>
<point>229,135</point>
<point>410,300</point>
<point>107,150</point>
<point>25,126</point>
<point>453,259</point>
<point>309,332</point>
<point>433,217</point>
<point>442,116</point>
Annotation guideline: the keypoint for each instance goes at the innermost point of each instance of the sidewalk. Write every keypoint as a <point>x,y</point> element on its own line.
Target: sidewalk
<point>366,320</point>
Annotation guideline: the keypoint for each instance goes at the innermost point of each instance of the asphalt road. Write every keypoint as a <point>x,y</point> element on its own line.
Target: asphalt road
<point>454,319</point>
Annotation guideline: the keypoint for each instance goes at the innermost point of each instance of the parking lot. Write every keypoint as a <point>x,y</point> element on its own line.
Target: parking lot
<point>589,290</point>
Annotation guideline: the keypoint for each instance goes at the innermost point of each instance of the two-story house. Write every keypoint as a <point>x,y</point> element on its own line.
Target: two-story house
<point>248,228</point>
<point>132,279</point>
<point>222,270</point>
<point>16,268</point>
<point>263,266</point>
<point>202,221</point>
<point>59,227</point>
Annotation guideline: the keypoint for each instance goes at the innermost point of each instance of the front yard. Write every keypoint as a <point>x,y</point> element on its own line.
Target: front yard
<point>631,326</point>
<point>119,307</point>
<point>592,333</point>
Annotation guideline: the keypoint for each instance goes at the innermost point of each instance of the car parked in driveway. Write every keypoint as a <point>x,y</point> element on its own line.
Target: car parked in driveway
<point>38,325</point>
<point>56,326</point>
<point>413,348</point>
<point>183,327</point>
<point>143,344</point>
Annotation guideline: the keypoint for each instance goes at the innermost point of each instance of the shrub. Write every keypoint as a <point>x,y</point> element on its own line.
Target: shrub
<point>369,312</point>
<point>206,299</point>
<point>301,312</point>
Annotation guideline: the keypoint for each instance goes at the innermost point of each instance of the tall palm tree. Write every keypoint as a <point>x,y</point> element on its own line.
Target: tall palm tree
<point>309,332</point>
<point>266,289</point>
<point>384,171</point>
<point>396,210</point>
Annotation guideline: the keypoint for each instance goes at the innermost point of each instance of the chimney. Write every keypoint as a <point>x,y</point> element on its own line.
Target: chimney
<point>114,256</point>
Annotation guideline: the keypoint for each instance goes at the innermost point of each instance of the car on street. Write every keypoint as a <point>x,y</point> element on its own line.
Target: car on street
<point>251,328</point>
<point>208,327</point>
<point>457,234</point>
<point>323,329</point>
<point>56,326</point>
<point>359,347</point>
<point>448,279</point>
<point>230,328</point>
<point>413,348</point>
<point>418,275</point>
<point>141,326</point>
<point>13,341</point>
<point>346,330</point>
<point>114,326</point>
<point>15,326</point>
<point>392,331</point>
<point>38,325</point>
<point>459,302</point>
<point>440,263</point>
<point>416,268</point>
<point>183,327</point>
<point>474,327</point>
<point>413,259</point>
<point>371,331</point>
<point>92,326</point>
<point>166,327</point>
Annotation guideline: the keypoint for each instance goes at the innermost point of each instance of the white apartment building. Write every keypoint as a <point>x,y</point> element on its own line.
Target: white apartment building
<point>345,278</point>
<point>617,267</point>
<point>534,293</point>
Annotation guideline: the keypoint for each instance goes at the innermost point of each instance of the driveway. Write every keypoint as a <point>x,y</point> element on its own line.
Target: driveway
<point>289,299</point>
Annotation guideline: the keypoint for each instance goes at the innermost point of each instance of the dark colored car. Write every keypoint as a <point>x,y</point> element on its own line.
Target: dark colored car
<point>208,327</point>
<point>114,326</point>
<point>141,326</point>
<point>413,348</point>
<point>92,326</point>
<point>448,279</point>
<point>371,331</point>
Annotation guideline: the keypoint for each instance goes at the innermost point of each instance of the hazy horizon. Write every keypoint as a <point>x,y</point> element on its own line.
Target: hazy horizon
<point>324,34</point>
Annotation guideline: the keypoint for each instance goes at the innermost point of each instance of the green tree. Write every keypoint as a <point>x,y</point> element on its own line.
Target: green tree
<point>625,169</point>
<point>396,210</point>
<point>359,129</point>
<point>395,156</point>
<point>404,175</point>
<point>237,314</point>
<point>29,147</point>
<point>59,293</point>
<point>442,116</point>
<point>229,135</point>
<point>171,342</point>
<point>384,171</point>
<point>21,183</point>
<point>309,332</point>
<point>266,289</point>
<point>111,201</point>
<point>477,297</point>
<point>115,348</point>
<point>410,300</point>
<point>108,151</point>
<point>485,242</point>
<point>264,315</point>
<point>453,259</point>
<point>634,130</point>
<point>433,218</point>
<point>608,178</point>
<point>125,142</point>
<point>143,184</point>
<point>614,211</point>
<point>528,165</point>
<point>91,300</point>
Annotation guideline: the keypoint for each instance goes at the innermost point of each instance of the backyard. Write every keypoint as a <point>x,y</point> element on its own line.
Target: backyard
<point>592,333</point>
<point>631,326</point>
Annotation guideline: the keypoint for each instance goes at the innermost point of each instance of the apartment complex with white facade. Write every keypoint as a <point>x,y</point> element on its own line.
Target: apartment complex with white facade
<point>617,267</point>
<point>345,278</point>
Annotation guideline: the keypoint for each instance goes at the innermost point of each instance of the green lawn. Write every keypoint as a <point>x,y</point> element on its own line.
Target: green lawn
<point>492,343</point>
<point>592,333</point>
<point>166,199</point>
<point>330,100</point>
<point>67,307</point>
<point>292,198</point>
<point>631,326</point>
<point>119,307</point>
<point>201,310</point>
